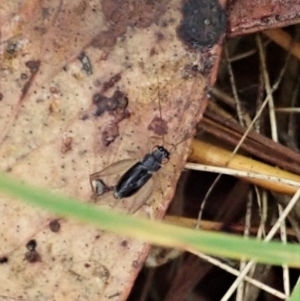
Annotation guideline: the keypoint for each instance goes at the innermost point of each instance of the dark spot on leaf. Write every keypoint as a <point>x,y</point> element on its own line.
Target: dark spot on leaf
<point>135,264</point>
<point>118,101</point>
<point>54,225</point>
<point>32,257</point>
<point>121,15</point>
<point>66,145</point>
<point>124,243</point>
<point>266,19</point>
<point>33,66</point>
<point>3,260</point>
<point>159,126</point>
<point>109,135</point>
<point>203,23</point>
<point>31,245</point>
<point>86,63</point>
<point>11,47</point>
<point>111,82</point>
<point>25,88</point>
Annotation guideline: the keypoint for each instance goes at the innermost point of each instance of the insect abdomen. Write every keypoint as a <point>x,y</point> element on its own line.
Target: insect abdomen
<point>132,181</point>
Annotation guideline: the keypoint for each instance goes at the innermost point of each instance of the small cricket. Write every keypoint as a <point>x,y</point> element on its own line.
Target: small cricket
<point>138,179</point>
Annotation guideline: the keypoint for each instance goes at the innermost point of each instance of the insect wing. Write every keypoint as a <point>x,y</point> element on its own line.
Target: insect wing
<point>142,196</point>
<point>96,179</point>
<point>114,168</point>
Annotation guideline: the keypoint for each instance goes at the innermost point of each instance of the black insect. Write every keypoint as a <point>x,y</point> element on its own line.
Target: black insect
<point>135,177</point>
<point>141,172</point>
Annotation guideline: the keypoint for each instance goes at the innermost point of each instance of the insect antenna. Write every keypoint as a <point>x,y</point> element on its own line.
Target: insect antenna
<point>181,141</point>
<point>159,107</point>
<point>186,137</point>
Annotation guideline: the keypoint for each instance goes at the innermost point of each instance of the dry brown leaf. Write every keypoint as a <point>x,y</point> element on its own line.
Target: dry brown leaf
<point>51,136</point>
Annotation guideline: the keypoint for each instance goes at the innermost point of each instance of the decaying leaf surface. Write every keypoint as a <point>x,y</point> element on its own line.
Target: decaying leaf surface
<point>63,118</point>
<point>252,16</point>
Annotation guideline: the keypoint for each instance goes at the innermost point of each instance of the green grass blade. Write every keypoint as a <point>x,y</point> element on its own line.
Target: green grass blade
<point>155,232</point>
<point>295,296</point>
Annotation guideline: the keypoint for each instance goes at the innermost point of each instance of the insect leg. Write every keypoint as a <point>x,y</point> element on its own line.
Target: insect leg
<point>158,183</point>
<point>104,199</point>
